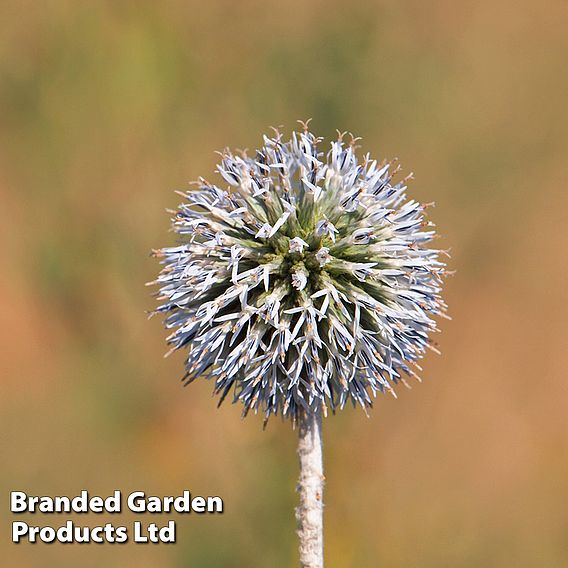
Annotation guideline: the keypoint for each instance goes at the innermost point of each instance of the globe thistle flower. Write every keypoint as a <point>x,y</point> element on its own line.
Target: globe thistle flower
<point>304,281</point>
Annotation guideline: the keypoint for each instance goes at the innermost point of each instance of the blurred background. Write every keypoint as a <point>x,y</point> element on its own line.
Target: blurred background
<point>106,108</point>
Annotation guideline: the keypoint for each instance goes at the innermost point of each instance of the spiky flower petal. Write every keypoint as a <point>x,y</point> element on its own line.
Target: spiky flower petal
<point>306,283</point>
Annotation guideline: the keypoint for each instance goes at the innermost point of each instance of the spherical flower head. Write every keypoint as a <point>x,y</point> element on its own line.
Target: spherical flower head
<point>304,282</point>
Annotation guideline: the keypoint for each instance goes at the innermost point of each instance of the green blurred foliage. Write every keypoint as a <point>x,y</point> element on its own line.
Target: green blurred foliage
<point>107,107</point>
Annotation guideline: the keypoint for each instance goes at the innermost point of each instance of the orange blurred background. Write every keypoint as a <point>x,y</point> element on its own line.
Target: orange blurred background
<point>107,107</point>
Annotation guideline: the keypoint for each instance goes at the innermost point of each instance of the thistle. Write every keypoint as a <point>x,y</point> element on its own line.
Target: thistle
<point>304,283</point>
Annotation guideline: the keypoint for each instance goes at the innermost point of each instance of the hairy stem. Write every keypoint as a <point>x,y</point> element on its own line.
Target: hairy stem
<point>309,513</point>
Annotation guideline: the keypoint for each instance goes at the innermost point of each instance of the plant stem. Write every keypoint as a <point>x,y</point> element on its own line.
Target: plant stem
<point>309,513</point>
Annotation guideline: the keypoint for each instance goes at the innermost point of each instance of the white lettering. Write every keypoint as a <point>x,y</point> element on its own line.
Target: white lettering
<point>136,502</point>
<point>18,529</point>
<point>18,503</point>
